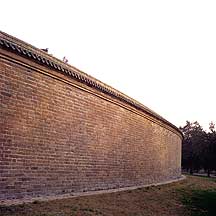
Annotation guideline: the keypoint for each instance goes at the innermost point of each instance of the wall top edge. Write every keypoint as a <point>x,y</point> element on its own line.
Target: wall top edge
<point>19,47</point>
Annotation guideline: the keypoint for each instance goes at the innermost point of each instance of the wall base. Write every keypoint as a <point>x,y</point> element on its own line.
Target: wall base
<point>80,194</point>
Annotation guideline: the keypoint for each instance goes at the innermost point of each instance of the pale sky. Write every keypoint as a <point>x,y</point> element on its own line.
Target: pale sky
<point>161,53</point>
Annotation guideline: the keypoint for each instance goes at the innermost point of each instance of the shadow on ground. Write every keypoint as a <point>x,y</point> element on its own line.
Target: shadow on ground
<point>200,202</point>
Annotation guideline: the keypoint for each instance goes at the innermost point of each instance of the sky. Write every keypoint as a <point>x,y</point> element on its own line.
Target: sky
<point>161,53</point>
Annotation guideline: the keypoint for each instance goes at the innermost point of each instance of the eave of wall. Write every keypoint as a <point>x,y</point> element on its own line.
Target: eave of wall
<point>20,48</point>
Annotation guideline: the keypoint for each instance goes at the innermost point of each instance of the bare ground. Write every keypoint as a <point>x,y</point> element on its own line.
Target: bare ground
<point>157,201</point>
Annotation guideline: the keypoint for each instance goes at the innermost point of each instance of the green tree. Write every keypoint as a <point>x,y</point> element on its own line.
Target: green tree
<point>209,153</point>
<point>194,142</point>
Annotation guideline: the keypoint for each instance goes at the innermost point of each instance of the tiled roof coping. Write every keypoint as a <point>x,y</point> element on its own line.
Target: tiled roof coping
<point>26,50</point>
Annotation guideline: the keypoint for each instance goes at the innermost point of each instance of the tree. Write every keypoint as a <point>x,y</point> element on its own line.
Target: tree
<point>199,147</point>
<point>193,145</point>
<point>209,153</point>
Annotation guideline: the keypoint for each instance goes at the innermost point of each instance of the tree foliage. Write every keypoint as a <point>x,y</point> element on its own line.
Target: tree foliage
<point>198,148</point>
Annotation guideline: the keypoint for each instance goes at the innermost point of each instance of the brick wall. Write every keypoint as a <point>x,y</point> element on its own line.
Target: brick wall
<point>59,135</point>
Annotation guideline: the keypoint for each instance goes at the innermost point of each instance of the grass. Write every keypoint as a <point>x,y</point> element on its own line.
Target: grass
<point>193,196</point>
<point>200,202</point>
<point>211,179</point>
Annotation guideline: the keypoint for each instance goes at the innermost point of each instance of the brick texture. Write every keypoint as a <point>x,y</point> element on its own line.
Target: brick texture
<point>59,136</point>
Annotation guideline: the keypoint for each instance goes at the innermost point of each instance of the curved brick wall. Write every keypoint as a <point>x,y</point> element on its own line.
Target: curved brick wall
<point>62,131</point>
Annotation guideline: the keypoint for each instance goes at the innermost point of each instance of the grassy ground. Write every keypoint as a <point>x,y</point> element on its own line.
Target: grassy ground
<point>193,196</point>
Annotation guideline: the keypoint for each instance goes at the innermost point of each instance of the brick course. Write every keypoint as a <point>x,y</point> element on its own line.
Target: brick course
<point>59,135</point>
